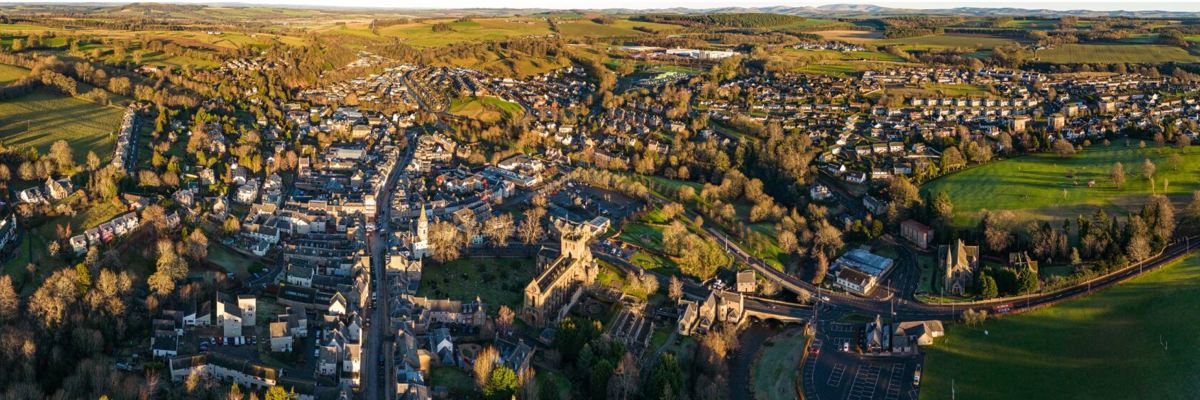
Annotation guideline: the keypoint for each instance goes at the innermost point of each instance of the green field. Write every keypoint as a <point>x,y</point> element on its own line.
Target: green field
<point>774,372</point>
<point>1034,186</point>
<point>620,27</point>
<point>422,34</point>
<point>935,42</point>
<point>496,281</point>
<point>1134,341</point>
<point>11,73</point>
<point>1113,53</point>
<point>485,108</point>
<point>43,117</point>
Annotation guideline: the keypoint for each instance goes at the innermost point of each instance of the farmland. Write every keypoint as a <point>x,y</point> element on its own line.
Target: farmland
<point>9,73</point>
<point>1131,341</point>
<point>1113,53</point>
<point>43,117</point>
<point>1044,186</point>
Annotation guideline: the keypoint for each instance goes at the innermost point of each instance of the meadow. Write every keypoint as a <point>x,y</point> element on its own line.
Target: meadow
<point>43,117</point>
<point>1133,341</point>
<point>1113,53</point>
<point>1044,186</point>
<point>948,41</point>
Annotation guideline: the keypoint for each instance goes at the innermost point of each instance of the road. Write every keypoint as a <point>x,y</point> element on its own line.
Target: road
<point>378,381</point>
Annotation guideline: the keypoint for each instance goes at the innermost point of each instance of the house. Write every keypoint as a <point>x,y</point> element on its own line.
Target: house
<point>916,232</point>
<point>281,337</point>
<point>907,336</point>
<point>746,282</point>
<point>859,270</point>
<point>958,264</point>
<point>874,205</point>
<point>441,344</point>
<point>855,281</point>
<point>165,346</point>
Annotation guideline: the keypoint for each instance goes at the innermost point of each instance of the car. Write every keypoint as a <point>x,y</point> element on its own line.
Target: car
<point>917,376</point>
<point>846,347</point>
<point>824,298</point>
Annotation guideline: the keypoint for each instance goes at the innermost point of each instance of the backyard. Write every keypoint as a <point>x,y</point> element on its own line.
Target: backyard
<point>1135,340</point>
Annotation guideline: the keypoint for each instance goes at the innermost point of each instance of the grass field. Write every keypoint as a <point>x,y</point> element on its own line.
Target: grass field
<point>774,372</point>
<point>486,108</point>
<point>935,42</point>
<point>43,117</point>
<point>456,381</point>
<point>1134,341</point>
<point>421,33</point>
<point>11,73</point>
<point>1038,186</point>
<point>1113,53</point>
<point>497,281</point>
<point>618,28</point>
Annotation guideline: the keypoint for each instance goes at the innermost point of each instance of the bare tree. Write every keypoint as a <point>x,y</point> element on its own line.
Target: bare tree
<point>1118,175</point>
<point>499,229</point>
<point>10,302</point>
<point>675,289</point>
<point>485,362</point>
<point>446,241</point>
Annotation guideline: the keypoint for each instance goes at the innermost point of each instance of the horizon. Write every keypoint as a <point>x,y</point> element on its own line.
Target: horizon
<point>1062,5</point>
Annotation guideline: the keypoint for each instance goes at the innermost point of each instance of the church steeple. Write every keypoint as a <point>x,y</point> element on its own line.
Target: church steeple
<point>422,225</point>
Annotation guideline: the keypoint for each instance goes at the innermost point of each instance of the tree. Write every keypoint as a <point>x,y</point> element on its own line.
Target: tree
<point>821,267</point>
<point>665,378</point>
<point>485,363</point>
<point>50,302</point>
<point>445,240</point>
<point>1148,169</point>
<point>1063,148</point>
<point>952,159</point>
<point>505,317</point>
<point>10,302</point>
<point>827,239</point>
<point>235,393</point>
<point>93,161</point>
<point>498,229</point>
<point>989,290</point>
<point>943,207</point>
<point>1117,174</point>
<point>1027,282</point>
<point>530,229</point>
<point>502,385</point>
<point>902,191</point>
<point>277,393</point>
<point>62,155</point>
<point>675,289</point>
<point>196,245</point>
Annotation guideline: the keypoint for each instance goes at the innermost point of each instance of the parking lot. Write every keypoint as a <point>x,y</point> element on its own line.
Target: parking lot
<point>837,371</point>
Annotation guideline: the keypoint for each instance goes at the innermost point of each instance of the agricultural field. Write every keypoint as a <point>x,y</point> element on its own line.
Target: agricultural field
<point>939,90</point>
<point>1131,341</point>
<point>936,42</point>
<point>485,108</point>
<point>1044,186</point>
<point>1113,53</point>
<point>421,34</point>
<point>11,73</point>
<point>42,117</point>
<point>496,281</point>
<point>850,35</point>
<point>620,27</point>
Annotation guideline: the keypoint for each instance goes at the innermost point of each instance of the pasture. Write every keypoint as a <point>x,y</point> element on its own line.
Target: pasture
<point>1044,186</point>
<point>618,28</point>
<point>11,73</point>
<point>421,34</point>
<point>1133,341</point>
<point>485,108</point>
<point>947,41</point>
<point>1113,53</point>
<point>42,117</point>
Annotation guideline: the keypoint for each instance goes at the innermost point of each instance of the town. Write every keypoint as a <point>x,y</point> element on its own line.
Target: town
<point>251,202</point>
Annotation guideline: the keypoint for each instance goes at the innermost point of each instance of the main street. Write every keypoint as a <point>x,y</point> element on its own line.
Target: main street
<point>378,380</point>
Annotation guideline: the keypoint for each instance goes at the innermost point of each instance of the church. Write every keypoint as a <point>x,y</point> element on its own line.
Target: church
<point>562,276</point>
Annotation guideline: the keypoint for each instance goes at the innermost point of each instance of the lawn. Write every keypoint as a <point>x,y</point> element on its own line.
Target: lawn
<point>457,382</point>
<point>42,117</point>
<point>496,281</point>
<point>774,372</point>
<point>1134,341</point>
<point>1038,186</point>
<point>1113,53</point>
<point>235,263</point>
<point>485,108</point>
<point>11,73</point>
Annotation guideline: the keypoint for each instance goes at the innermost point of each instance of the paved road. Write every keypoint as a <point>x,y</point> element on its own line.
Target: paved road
<point>378,379</point>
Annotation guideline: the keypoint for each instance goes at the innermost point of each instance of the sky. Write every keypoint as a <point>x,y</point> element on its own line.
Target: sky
<point>1106,5</point>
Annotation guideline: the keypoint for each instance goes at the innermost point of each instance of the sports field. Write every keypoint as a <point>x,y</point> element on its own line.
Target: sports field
<point>43,117</point>
<point>1045,186</point>
<point>1133,341</point>
<point>1113,53</point>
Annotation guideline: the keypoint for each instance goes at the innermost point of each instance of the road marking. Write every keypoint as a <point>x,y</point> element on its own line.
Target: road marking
<point>835,377</point>
<point>865,381</point>
<point>895,382</point>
